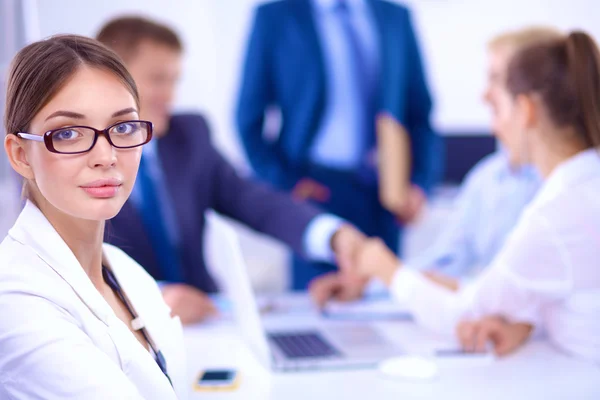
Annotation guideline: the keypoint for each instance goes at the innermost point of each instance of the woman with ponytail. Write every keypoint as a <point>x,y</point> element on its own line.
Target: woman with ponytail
<point>547,275</point>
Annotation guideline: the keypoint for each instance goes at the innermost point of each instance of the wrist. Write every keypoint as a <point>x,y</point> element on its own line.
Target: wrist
<point>387,272</point>
<point>335,238</point>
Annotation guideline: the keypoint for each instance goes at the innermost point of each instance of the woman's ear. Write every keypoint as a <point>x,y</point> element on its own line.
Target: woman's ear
<point>17,156</point>
<point>527,110</point>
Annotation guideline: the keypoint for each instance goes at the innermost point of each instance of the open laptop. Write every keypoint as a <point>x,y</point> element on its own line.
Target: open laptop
<point>298,345</point>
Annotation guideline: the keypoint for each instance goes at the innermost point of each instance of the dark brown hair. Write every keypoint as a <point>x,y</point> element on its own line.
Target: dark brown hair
<point>125,34</point>
<point>41,69</point>
<point>565,74</point>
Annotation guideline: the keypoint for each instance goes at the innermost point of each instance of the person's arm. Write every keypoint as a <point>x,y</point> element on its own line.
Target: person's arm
<point>427,152</point>
<point>256,204</point>
<point>393,149</point>
<point>256,94</point>
<point>306,230</point>
<point>510,288</point>
<point>45,354</point>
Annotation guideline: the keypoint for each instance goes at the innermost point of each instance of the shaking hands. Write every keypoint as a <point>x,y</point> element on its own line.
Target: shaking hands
<point>359,259</point>
<point>363,257</point>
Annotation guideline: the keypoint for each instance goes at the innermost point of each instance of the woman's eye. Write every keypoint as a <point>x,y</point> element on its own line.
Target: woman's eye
<point>66,134</point>
<point>124,128</point>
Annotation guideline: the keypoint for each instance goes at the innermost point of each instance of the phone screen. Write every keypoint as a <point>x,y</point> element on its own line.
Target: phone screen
<point>216,376</point>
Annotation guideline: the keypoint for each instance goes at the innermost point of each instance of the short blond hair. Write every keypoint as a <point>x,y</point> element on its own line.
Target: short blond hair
<point>524,37</point>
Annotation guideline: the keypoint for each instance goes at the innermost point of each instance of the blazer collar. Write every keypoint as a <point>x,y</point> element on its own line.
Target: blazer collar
<point>32,229</point>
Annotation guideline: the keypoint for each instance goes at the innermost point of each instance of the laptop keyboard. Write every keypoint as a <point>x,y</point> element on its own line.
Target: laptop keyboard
<point>303,345</point>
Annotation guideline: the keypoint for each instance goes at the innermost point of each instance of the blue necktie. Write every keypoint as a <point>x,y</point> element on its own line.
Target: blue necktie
<point>153,217</point>
<point>363,85</point>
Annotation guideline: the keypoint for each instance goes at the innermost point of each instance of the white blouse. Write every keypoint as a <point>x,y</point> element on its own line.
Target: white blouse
<point>59,338</point>
<point>547,274</point>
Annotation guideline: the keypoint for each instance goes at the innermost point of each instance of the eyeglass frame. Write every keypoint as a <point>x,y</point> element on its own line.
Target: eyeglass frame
<point>47,136</point>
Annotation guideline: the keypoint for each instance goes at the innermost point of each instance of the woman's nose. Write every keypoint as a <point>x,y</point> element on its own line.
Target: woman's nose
<point>103,154</point>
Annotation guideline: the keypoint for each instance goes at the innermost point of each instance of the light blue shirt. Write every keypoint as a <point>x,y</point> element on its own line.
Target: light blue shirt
<point>489,205</point>
<point>338,143</point>
<point>317,237</point>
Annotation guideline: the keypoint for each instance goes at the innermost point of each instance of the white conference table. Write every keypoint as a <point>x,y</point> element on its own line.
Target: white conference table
<point>537,371</point>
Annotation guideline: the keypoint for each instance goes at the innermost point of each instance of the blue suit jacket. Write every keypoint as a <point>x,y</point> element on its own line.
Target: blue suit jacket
<point>284,67</point>
<point>198,178</point>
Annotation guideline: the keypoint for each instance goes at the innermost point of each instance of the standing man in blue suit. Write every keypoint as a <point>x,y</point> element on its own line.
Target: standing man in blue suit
<point>331,67</point>
<point>182,175</point>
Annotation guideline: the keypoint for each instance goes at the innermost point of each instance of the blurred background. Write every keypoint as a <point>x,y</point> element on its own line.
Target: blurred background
<point>452,33</point>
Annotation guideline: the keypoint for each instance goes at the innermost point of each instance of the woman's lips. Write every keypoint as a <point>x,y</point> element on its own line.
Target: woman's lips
<point>103,188</point>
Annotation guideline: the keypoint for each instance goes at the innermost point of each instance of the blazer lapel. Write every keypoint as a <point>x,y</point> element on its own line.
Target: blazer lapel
<point>32,229</point>
<point>302,12</point>
<point>145,298</point>
<point>378,11</point>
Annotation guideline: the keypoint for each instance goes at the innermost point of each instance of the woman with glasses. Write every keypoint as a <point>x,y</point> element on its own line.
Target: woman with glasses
<point>78,319</point>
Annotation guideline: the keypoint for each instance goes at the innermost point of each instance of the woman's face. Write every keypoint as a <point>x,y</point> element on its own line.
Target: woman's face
<point>96,184</point>
<point>505,121</point>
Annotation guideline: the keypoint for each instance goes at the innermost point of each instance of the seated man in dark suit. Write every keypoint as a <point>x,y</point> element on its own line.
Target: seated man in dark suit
<point>182,175</point>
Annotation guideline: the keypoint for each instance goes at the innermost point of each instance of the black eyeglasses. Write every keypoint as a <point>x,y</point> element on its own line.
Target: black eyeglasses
<point>81,139</point>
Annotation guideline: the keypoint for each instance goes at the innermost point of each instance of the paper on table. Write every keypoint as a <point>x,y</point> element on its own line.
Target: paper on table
<point>370,309</point>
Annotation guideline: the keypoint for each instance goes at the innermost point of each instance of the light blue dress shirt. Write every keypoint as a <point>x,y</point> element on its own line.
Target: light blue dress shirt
<point>489,204</point>
<point>317,237</point>
<point>338,144</point>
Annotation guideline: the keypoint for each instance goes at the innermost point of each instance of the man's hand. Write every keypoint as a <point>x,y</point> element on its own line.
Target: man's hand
<point>505,336</point>
<point>340,286</point>
<point>187,302</point>
<point>376,260</point>
<point>410,211</point>
<point>346,243</point>
<point>307,189</point>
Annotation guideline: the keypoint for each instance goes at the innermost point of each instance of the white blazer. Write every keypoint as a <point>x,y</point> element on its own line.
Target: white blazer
<point>59,338</point>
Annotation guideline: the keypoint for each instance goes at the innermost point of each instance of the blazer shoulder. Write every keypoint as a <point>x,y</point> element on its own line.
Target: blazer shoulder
<point>190,125</point>
<point>395,10</point>
<point>18,261</point>
<point>188,121</point>
<point>274,8</point>
<point>397,7</point>
<point>274,15</point>
<point>24,273</point>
